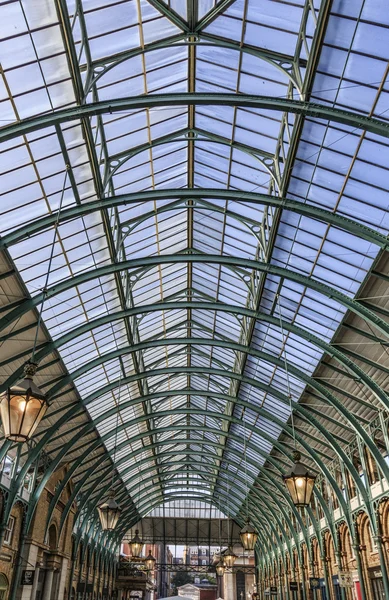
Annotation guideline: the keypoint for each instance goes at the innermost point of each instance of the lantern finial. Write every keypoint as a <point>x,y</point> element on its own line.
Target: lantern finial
<point>30,368</point>
<point>150,561</point>
<point>229,557</point>
<point>220,568</point>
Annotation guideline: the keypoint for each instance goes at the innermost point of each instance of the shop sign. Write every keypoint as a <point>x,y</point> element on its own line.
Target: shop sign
<point>271,591</point>
<point>314,583</point>
<point>28,577</point>
<point>293,586</point>
<point>345,579</point>
<point>375,573</point>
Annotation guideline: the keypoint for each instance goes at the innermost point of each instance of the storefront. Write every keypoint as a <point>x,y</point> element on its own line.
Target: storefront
<point>377,586</point>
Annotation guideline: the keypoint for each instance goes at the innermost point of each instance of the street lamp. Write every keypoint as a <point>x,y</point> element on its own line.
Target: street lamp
<point>229,557</point>
<point>22,407</point>
<point>299,482</point>
<point>136,545</point>
<point>150,562</point>
<point>248,536</point>
<point>109,512</point>
<point>220,568</point>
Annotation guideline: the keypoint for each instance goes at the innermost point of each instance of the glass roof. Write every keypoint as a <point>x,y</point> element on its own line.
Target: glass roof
<point>176,392</point>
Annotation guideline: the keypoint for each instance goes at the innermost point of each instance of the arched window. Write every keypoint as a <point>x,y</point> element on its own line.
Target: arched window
<point>52,537</point>
<point>3,586</point>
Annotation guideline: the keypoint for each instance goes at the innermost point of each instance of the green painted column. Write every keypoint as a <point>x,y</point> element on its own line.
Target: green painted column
<point>357,552</point>
<point>384,570</point>
<point>72,567</point>
<point>327,581</point>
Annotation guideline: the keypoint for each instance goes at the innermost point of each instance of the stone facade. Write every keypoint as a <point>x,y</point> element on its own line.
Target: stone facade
<point>365,564</point>
<point>41,563</point>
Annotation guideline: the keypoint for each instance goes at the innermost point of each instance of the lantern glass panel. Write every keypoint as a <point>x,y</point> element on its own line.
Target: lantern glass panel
<point>248,539</point>
<point>21,414</point>
<point>300,489</point>
<point>229,558</point>
<point>109,514</point>
<point>150,562</point>
<point>136,545</point>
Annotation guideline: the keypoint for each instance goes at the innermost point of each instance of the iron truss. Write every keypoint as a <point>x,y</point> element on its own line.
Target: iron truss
<point>220,258</point>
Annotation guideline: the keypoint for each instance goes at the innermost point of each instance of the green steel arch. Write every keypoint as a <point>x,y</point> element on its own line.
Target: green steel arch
<point>194,135</point>
<point>247,405</point>
<point>307,109</point>
<point>183,40</point>
<point>353,305</point>
<point>329,349</point>
<point>69,445</point>
<point>273,479</point>
<point>277,483</point>
<point>323,391</point>
<point>86,208</point>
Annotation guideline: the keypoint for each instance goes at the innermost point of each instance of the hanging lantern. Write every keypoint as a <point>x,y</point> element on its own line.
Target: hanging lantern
<point>220,568</point>
<point>300,482</point>
<point>136,545</point>
<point>22,407</point>
<point>150,562</point>
<point>229,557</point>
<point>109,513</point>
<point>248,536</point>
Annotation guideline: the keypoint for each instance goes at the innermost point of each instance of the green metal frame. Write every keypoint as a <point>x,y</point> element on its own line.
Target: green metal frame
<point>303,109</point>
<point>272,478</point>
<point>277,60</point>
<point>191,257</point>
<point>319,387</point>
<point>194,195</point>
<point>298,408</point>
<point>307,109</point>
<point>193,135</point>
<point>134,454</point>
<point>170,14</point>
<point>329,349</point>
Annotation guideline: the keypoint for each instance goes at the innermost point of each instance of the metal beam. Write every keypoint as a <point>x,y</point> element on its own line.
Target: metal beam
<point>192,135</point>
<point>211,15</point>
<point>308,210</point>
<point>299,374</point>
<point>216,372</point>
<point>147,262</point>
<point>114,105</point>
<point>72,57</point>
<point>306,446</point>
<point>279,467</point>
<point>333,351</point>
<point>170,14</point>
<point>276,59</point>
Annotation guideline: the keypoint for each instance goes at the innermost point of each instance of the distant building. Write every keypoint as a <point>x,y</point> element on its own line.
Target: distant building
<point>198,591</point>
<point>199,555</point>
